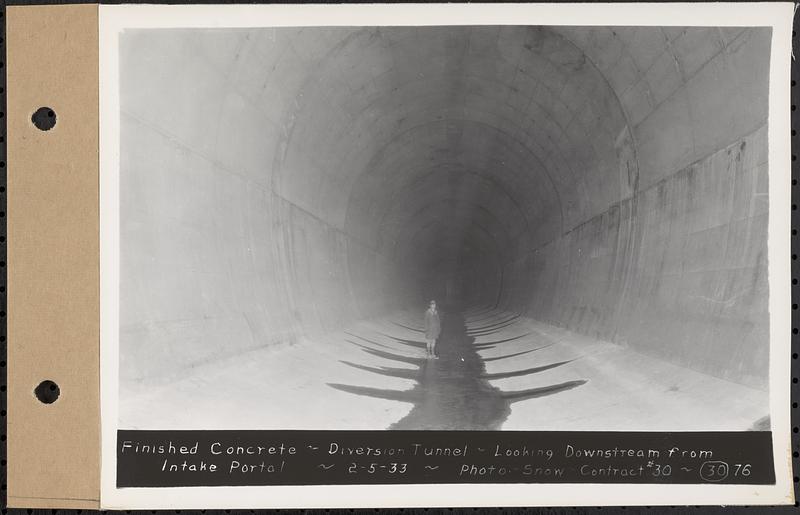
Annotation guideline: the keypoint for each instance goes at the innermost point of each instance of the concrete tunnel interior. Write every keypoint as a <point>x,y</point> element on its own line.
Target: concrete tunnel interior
<point>291,199</point>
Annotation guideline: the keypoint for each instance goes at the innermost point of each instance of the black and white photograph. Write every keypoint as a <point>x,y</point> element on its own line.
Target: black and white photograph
<point>436,227</point>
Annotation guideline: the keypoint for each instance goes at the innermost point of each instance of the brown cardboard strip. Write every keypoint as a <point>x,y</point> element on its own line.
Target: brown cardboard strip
<point>53,256</point>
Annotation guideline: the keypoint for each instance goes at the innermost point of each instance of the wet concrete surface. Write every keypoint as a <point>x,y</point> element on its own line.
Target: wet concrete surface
<point>453,391</point>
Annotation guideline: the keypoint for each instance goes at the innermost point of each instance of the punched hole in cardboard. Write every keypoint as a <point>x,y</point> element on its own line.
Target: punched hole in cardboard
<point>47,392</point>
<point>44,118</point>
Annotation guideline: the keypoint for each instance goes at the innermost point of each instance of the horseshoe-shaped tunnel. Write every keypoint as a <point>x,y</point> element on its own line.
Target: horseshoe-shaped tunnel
<point>588,205</point>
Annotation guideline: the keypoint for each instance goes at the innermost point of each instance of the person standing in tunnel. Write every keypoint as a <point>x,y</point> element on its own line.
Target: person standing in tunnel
<point>433,327</point>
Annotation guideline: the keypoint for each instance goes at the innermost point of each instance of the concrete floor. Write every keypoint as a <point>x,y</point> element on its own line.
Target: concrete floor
<point>496,370</point>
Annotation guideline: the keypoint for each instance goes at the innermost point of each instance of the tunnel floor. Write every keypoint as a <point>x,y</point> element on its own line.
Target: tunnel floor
<point>496,370</point>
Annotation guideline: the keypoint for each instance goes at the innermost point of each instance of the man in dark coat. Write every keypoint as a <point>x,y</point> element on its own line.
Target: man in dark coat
<point>433,327</point>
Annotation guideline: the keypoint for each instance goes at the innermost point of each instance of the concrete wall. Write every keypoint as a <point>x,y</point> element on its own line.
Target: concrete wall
<point>679,269</point>
<point>214,261</point>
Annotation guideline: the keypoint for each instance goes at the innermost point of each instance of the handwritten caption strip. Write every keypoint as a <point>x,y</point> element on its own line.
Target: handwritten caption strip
<point>240,458</point>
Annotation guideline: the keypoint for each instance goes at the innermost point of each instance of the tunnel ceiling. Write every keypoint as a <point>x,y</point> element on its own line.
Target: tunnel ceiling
<point>507,136</point>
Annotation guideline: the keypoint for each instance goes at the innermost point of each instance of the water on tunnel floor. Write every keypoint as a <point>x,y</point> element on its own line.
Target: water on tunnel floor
<point>452,391</point>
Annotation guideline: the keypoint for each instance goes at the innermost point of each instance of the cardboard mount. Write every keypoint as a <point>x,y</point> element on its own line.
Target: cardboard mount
<point>53,256</point>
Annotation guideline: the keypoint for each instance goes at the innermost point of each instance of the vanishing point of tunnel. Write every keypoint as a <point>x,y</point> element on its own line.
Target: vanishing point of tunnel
<point>588,206</point>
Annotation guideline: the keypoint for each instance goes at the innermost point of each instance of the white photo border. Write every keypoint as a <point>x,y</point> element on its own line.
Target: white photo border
<point>115,18</point>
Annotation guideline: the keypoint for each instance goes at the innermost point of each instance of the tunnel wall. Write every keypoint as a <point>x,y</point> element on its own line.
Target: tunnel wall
<point>194,187</point>
<point>679,268</point>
